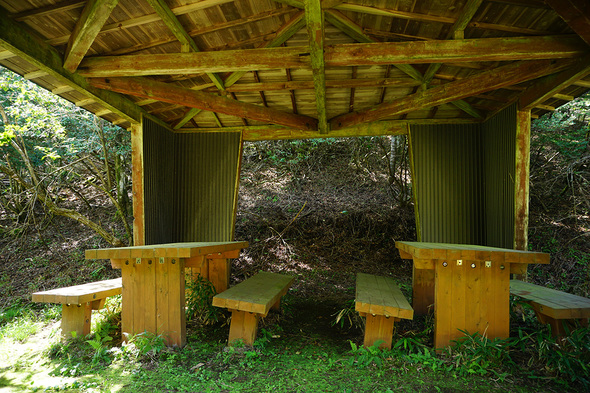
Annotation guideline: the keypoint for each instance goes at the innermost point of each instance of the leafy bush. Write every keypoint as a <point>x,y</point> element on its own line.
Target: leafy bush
<point>199,297</point>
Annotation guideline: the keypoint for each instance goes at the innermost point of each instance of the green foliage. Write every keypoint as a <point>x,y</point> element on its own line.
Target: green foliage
<point>98,344</point>
<point>348,317</point>
<point>148,344</point>
<point>199,297</point>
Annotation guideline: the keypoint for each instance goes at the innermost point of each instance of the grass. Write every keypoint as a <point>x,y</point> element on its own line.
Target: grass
<point>285,359</point>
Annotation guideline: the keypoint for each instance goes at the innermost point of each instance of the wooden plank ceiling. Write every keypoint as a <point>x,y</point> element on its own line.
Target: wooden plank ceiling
<point>301,68</point>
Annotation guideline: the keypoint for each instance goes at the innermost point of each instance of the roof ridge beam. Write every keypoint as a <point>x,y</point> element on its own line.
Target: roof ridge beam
<point>383,53</point>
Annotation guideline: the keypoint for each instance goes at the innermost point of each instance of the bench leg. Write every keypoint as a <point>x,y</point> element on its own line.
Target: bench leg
<point>75,318</point>
<point>378,327</point>
<point>244,326</point>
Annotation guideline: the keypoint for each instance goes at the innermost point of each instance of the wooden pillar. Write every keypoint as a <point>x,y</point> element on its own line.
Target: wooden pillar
<point>521,184</point>
<point>521,188</point>
<point>137,189</point>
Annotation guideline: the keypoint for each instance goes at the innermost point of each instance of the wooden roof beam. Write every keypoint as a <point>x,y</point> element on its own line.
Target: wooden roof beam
<point>180,33</point>
<point>576,13</point>
<point>383,53</point>
<point>314,17</point>
<point>295,24</point>
<point>354,31</point>
<point>93,17</point>
<point>173,94</point>
<point>550,85</point>
<point>16,39</point>
<point>334,84</point>
<point>117,26</point>
<point>192,112</point>
<point>485,81</point>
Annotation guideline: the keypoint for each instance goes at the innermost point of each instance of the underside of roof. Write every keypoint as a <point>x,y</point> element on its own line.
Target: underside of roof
<point>301,68</point>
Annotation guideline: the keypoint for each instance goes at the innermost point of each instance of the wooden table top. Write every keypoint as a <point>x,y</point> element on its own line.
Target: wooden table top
<point>447,251</point>
<point>171,250</point>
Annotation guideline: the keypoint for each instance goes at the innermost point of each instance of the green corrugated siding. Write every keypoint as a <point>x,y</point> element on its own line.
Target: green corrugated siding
<point>206,175</point>
<point>447,182</point>
<point>158,183</point>
<point>189,185</point>
<point>499,143</point>
<point>462,181</point>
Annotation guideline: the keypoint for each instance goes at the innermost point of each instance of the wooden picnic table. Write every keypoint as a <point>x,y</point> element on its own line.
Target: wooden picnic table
<point>469,286</point>
<point>154,282</point>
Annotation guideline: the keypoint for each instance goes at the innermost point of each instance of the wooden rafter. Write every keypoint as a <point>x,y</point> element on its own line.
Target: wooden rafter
<point>134,22</point>
<point>486,81</point>
<point>414,16</point>
<point>165,92</point>
<point>314,17</point>
<point>550,85</point>
<point>480,49</point>
<point>296,23</point>
<point>330,84</point>
<point>354,31</point>
<point>93,17</point>
<point>441,51</point>
<point>192,112</point>
<point>16,39</point>
<point>576,13</point>
<point>180,33</point>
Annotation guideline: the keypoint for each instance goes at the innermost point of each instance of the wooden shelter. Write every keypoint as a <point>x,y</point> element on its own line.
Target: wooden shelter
<point>193,79</point>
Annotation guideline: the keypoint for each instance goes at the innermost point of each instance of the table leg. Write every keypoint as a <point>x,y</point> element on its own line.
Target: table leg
<point>422,291</point>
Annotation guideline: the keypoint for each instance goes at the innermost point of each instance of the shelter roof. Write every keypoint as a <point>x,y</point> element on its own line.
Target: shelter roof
<point>301,68</point>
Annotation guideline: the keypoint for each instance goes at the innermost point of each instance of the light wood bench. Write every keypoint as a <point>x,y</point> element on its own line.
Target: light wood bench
<point>250,300</point>
<point>552,306</point>
<point>380,300</point>
<point>78,302</point>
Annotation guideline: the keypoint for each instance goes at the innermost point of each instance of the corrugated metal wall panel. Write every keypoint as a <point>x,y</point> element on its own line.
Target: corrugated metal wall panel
<point>464,181</point>
<point>499,145</point>
<point>158,165</point>
<point>448,182</point>
<point>206,177</point>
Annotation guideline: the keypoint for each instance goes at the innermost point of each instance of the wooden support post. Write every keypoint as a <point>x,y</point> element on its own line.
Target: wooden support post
<point>219,272</point>
<point>521,184</point>
<point>137,190</point>
<point>75,318</point>
<point>422,291</point>
<point>378,327</point>
<point>244,326</point>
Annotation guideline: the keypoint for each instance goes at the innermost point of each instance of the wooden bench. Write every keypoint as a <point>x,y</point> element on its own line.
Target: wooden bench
<point>78,302</point>
<point>250,300</point>
<point>380,300</point>
<point>552,306</point>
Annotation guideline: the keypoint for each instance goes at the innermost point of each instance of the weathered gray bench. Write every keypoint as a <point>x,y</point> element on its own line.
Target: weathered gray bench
<point>552,306</point>
<point>78,302</point>
<point>251,299</point>
<point>380,300</point>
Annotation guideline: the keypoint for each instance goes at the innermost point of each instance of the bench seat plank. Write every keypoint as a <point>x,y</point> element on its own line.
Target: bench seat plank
<point>257,294</point>
<point>380,300</point>
<point>250,300</point>
<point>556,304</point>
<point>78,301</point>
<point>552,306</point>
<point>79,294</point>
<point>381,296</point>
